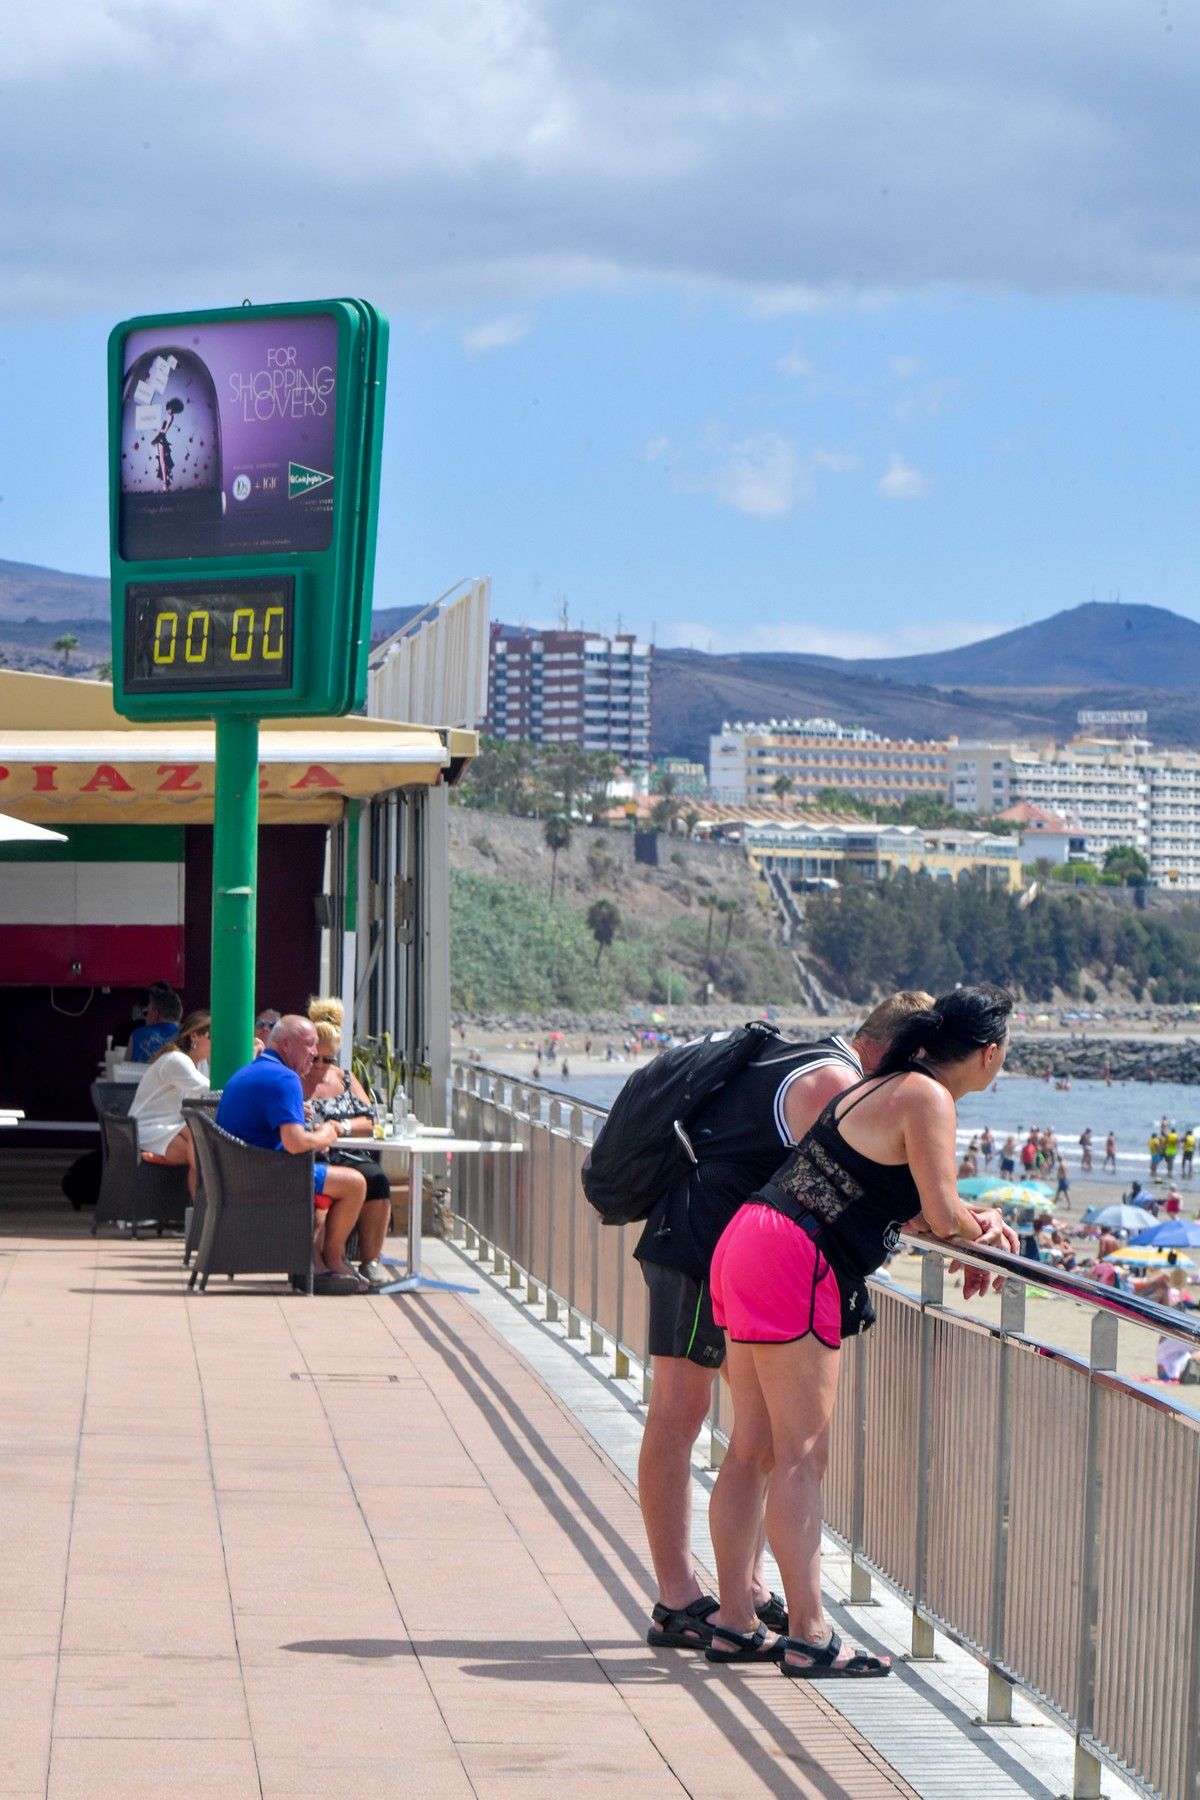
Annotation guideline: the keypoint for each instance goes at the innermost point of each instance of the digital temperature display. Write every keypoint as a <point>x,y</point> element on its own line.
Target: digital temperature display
<point>194,637</point>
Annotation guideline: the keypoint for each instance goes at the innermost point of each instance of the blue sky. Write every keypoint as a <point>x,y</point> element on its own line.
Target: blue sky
<point>790,330</point>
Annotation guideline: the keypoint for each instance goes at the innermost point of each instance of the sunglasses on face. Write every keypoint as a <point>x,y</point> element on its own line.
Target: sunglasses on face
<point>331,1061</point>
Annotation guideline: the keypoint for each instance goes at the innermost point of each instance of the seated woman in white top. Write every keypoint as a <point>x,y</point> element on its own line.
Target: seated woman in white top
<point>171,1076</point>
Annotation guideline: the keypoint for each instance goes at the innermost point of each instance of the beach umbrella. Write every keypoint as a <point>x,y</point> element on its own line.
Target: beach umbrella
<point>1145,1256</point>
<point>1016,1193</point>
<point>1169,1234</point>
<point>971,1187</point>
<point>1119,1218</point>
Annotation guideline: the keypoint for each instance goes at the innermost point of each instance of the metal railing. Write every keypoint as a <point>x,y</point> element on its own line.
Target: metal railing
<point>1036,1507</point>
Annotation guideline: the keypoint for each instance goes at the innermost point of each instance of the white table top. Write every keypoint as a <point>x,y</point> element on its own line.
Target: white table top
<point>427,1143</point>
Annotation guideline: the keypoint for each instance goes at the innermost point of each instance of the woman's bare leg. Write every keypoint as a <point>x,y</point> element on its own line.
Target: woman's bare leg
<point>180,1153</point>
<point>798,1384</point>
<point>373,1222</point>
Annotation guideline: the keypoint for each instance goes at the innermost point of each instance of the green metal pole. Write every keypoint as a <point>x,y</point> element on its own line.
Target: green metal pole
<point>235,885</point>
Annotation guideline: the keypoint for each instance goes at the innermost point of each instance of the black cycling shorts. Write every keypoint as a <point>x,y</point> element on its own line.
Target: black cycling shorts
<point>681,1321</point>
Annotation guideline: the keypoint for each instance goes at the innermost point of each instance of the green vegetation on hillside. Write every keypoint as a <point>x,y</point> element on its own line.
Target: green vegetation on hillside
<point>912,931</point>
<point>929,811</point>
<point>512,951</point>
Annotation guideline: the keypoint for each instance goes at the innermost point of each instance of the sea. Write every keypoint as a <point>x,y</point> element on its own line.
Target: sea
<point>1019,1103</point>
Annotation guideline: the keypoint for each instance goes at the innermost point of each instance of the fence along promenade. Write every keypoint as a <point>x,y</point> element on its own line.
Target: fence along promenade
<point>1017,1497</point>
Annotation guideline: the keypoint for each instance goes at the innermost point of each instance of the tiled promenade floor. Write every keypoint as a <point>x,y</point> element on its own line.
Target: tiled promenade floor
<point>256,1545</point>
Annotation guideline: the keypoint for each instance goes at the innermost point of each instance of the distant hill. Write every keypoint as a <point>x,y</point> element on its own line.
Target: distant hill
<point>1025,683</point>
<point>1089,646</point>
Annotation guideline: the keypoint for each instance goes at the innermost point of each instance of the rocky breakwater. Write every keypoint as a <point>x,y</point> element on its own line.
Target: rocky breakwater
<point>1095,1059</point>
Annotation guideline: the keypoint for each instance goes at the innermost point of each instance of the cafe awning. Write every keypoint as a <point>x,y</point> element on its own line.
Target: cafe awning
<point>67,758</point>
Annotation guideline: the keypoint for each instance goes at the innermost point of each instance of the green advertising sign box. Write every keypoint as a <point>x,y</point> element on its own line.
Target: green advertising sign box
<point>244,458</point>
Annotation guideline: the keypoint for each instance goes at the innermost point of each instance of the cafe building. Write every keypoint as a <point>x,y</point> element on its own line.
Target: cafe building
<point>351,892</point>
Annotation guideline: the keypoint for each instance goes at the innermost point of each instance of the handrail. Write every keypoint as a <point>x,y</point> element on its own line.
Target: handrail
<point>1031,1549</point>
<point>1163,1320</point>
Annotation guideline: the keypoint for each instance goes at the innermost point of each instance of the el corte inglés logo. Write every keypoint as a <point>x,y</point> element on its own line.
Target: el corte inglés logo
<point>303,481</point>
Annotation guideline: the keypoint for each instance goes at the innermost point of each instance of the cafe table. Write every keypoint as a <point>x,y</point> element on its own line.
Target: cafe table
<point>407,1150</point>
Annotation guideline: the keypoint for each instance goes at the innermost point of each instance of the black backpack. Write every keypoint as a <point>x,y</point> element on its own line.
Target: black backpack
<point>643,1144</point>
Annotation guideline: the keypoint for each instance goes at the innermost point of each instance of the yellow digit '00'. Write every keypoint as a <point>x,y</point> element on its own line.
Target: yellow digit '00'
<point>166,630</point>
<point>193,652</point>
<point>273,619</point>
<point>243,621</point>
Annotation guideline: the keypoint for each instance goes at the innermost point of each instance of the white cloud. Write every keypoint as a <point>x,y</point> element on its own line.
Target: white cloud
<point>816,640</point>
<point>903,368</point>
<point>480,153</point>
<point>763,475</point>
<point>497,334</point>
<point>795,365</point>
<point>903,482</point>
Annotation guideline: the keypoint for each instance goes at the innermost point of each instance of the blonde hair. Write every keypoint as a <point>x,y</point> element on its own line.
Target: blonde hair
<point>327,1014</point>
<point>881,1025</point>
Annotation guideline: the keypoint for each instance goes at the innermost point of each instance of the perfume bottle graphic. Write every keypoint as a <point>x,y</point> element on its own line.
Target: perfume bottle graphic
<point>171,489</point>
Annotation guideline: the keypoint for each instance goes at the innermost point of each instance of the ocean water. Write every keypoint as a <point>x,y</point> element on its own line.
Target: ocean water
<point>1018,1102</point>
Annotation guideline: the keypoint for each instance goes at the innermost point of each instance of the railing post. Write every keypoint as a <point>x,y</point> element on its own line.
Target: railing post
<point>860,1578</point>
<point>552,1161</point>
<point>1103,1357</point>
<point>1012,1323</point>
<point>1191,1765</point>
<point>620,1355</point>
<point>932,1289</point>
<point>574,1323</point>
<point>716,1449</point>
<point>596,1342</point>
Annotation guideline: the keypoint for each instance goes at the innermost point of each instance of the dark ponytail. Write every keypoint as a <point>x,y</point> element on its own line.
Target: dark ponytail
<point>953,1028</point>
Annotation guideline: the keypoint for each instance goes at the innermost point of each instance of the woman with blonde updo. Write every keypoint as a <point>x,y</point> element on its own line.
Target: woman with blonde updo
<point>336,1095</point>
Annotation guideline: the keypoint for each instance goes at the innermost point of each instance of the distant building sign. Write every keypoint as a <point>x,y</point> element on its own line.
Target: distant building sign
<point>1111,718</point>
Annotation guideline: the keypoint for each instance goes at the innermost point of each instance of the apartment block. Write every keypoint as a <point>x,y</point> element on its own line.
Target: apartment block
<point>1112,791</point>
<point>571,687</point>
<point>746,762</point>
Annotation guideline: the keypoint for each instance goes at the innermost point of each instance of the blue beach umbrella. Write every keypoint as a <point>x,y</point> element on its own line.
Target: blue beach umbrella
<point>971,1187</point>
<point>1170,1234</point>
<point>1119,1218</point>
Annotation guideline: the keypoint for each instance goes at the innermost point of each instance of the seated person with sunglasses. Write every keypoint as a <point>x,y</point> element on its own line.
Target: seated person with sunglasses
<point>334,1094</point>
<point>263,1105</point>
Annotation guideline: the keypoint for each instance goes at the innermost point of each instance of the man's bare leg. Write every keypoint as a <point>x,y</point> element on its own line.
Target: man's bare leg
<point>679,1403</point>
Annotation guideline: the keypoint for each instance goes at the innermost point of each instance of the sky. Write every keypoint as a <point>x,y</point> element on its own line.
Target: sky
<point>771,325</point>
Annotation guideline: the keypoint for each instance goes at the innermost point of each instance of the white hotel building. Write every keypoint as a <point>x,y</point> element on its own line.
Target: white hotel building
<point>1116,791</point>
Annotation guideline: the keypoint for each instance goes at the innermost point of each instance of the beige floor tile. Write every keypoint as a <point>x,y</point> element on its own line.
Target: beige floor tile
<point>147,1769</point>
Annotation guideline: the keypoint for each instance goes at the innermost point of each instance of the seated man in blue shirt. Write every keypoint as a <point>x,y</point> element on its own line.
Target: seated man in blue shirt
<point>263,1104</point>
<point>164,1009</point>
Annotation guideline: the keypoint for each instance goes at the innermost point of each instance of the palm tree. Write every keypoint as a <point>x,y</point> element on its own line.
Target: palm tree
<point>781,786</point>
<point>66,643</point>
<point>603,918</point>
<point>712,906</point>
<point>557,833</point>
<point>731,909</point>
<point>104,670</point>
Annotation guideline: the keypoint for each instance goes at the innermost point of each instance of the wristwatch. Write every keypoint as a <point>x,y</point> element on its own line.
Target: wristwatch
<point>344,1128</point>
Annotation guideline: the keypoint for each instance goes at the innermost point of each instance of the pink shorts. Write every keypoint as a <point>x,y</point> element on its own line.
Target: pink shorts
<point>770,1284</point>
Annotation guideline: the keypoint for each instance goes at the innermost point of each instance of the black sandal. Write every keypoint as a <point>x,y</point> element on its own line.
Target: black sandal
<point>825,1666</point>
<point>683,1627</point>
<point>749,1646</point>
<point>773,1613</point>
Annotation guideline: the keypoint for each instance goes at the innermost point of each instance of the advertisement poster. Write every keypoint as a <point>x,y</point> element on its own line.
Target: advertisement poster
<point>227,439</point>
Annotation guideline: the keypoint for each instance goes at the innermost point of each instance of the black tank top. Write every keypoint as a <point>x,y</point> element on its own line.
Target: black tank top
<point>852,1208</point>
<point>740,1138</point>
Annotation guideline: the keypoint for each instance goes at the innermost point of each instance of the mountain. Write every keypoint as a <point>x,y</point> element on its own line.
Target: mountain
<point>1088,646</point>
<point>27,592</point>
<point>1030,682</point>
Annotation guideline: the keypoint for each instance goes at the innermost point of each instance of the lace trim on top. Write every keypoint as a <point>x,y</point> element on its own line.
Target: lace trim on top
<point>818,1182</point>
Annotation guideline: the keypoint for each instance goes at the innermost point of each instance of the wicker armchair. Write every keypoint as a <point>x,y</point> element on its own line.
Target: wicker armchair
<point>134,1191</point>
<point>113,1096</point>
<point>206,1103</point>
<point>258,1211</point>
